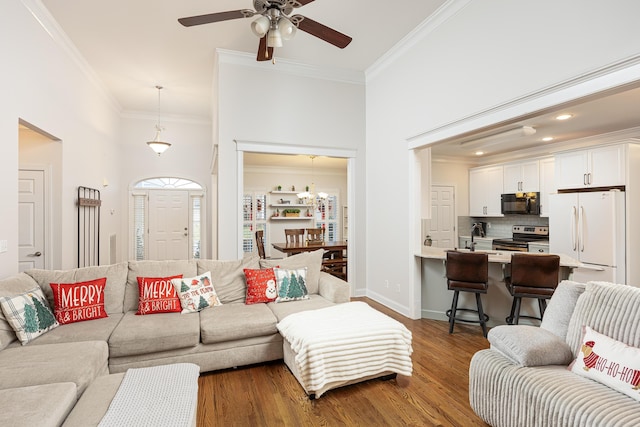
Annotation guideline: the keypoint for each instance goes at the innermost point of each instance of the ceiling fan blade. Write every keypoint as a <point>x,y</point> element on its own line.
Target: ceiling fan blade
<point>323,32</point>
<point>215,17</point>
<point>264,53</point>
<point>300,3</point>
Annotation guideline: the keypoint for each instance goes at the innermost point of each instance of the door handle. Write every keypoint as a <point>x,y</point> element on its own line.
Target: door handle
<point>36,254</point>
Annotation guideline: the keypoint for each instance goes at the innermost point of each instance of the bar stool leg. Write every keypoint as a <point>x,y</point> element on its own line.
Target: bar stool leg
<point>543,306</point>
<point>452,315</point>
<point>516,319</point>
<point>513,310</point>
<point>481,315</point>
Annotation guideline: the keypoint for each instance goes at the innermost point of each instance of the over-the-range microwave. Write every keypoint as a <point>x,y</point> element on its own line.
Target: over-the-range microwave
<point>520,204</point>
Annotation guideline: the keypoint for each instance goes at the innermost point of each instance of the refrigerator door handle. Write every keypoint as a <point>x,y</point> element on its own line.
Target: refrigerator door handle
<point>581,228</point>
<point>574,228</point>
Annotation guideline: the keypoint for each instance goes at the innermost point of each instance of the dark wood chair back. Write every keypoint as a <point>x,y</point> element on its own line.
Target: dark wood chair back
<point>260,243</point>
<point>315,234</point>
<point>294,235</point>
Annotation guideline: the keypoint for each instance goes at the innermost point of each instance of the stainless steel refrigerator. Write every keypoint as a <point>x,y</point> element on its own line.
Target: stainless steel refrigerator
<point>590,227</point>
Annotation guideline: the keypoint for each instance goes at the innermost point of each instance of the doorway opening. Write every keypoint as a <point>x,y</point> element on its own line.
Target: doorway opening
<point>39,204</point>
<point>166,217</point>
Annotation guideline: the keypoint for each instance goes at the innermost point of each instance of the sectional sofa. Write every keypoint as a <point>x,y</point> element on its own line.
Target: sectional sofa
<point>43,380</point>
<point>581,367</point>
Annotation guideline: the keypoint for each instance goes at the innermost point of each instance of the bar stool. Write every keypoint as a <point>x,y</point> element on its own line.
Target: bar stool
<point>532,276</point>
<point>467,272</point>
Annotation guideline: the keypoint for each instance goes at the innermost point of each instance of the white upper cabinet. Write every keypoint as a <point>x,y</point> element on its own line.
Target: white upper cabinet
<point>485,189</point>
<point>547,184</point>
<point>522,177</point>
<point>596,167</point>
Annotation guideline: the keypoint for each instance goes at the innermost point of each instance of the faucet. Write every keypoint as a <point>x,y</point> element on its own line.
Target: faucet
<point>476,226</point>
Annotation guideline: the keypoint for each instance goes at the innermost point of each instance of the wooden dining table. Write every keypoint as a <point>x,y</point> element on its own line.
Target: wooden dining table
<point>334,261</point>
<point>306,246</point>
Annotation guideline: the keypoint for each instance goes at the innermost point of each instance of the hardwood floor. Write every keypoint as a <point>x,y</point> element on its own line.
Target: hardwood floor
<point>437,394</point>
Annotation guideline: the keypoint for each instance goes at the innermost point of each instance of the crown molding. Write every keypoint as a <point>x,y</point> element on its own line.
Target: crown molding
<point>42,15</point>
<point>440,16</point>
<point>288,66</point>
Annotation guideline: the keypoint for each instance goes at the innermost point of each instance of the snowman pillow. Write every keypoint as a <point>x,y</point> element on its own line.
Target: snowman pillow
<point>261,286</point>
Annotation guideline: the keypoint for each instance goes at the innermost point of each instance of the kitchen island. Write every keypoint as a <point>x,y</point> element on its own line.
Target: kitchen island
<point>496,303</point>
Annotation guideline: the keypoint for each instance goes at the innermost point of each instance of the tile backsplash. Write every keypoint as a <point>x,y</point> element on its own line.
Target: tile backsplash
<point>499,226</point>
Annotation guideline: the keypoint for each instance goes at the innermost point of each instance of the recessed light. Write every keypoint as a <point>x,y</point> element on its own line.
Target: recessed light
<point>564,116</point>
<point>479,153</point>
<point>547,138</point>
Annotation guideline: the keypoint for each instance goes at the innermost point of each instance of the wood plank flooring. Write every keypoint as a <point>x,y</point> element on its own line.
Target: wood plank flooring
<point>437,394</point>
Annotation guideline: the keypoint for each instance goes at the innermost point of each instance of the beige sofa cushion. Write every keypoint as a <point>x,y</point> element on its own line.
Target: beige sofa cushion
<point>154,333</point>
<point>11,286</point>
<point>38,405</point>
<point>116,275</point>
<point>78,362</point>
<point>137,269</point>
<point>91,330</point>
<point>228,276</point>
<point>94,402</point>
<point>283,309</point>
<point>230,322</point>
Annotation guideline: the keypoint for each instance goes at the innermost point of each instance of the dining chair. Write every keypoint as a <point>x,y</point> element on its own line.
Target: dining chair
<point>467,272</point>
<point>260,243</point>
<point>315,234</point>
<point>532,276</point>
<point>294,235</point>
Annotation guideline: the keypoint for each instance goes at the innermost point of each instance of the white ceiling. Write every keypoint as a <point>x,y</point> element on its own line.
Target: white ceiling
<point>134,45</point>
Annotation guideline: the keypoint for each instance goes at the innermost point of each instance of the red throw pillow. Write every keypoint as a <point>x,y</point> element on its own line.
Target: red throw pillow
<point>158,295</point>
<point>261,285</point>
<point>76,302</point>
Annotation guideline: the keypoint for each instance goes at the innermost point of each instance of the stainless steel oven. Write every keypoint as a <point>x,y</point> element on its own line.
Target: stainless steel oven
<point>521,236</point>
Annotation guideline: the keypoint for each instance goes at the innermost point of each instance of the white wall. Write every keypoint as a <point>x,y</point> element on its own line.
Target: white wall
<point>41,84</point>
<point>188,157</point>
<point>265,103</point>
<point>484,55</point>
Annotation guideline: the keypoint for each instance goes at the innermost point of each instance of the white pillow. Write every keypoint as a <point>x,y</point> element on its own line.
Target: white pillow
<point>196,293</point>
<point>291,284</point>
<point>610,362</point>
<point>28,314</point>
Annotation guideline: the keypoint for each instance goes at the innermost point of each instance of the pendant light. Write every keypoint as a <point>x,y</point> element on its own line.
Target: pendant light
<point>157,145</point>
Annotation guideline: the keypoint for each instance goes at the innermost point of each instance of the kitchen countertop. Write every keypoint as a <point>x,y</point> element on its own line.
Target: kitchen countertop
<point>502,257</point>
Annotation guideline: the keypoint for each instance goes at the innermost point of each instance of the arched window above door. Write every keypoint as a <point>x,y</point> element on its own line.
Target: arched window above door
<point>168,182</point>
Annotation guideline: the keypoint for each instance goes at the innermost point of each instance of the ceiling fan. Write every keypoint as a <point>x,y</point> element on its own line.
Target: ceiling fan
<point>274,24</point>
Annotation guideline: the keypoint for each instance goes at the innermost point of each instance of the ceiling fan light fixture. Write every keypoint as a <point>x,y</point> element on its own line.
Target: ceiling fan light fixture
<point>274,38</point>
<point>287,29</point>
<point>260,26</point>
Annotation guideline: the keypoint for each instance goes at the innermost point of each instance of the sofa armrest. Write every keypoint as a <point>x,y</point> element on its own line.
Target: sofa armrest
<point>333,288</point>
<point>529,345</point>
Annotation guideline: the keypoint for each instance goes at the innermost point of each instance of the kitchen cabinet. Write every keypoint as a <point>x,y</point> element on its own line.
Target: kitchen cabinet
<point>522,177</point>
<point>485,189</point>
<point>547,184</point>
<point>595,167</point>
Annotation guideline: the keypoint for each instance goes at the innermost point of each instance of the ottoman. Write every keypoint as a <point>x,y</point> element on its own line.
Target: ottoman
<point>164,395</point>
<point>344,344</point>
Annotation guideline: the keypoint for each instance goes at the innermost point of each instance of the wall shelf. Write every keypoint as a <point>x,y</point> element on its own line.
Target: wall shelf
<point>282,218</point>
<point>289,205</point>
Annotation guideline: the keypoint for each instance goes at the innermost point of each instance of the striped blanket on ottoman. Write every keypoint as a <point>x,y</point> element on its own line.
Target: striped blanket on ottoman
<point>344,344</point>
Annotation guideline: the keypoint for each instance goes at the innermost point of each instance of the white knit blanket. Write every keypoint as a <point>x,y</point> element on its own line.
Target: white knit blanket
<point>346,342</point>
<point>159,396</point>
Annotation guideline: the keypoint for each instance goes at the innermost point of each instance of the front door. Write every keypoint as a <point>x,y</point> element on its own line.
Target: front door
<point>168,224</point>
<point>31,229</point>
<point>442,224</point>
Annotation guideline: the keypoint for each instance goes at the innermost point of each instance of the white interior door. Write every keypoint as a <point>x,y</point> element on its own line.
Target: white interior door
<point>168,224</point>
<point>442,224</point>
<point>31,229</point>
